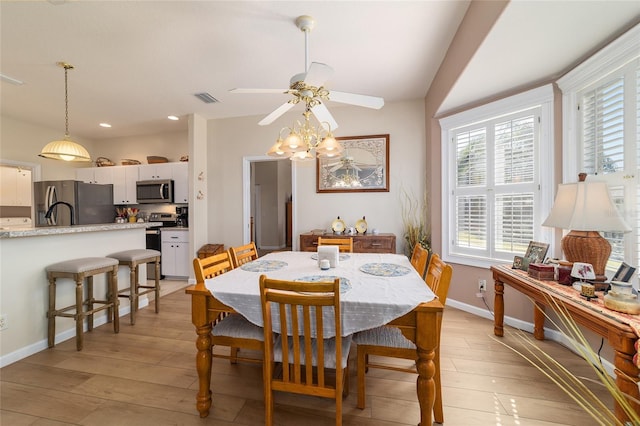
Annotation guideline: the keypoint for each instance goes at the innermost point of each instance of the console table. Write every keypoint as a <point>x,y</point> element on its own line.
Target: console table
<point>614,327</point>
<point>362,243</point>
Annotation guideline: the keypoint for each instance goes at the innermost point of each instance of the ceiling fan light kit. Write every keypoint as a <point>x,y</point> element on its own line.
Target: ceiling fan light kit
<point>304,139</point>
<point>65,149</point>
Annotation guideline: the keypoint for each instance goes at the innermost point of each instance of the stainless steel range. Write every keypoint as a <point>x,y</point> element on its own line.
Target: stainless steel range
<point>167,220</point>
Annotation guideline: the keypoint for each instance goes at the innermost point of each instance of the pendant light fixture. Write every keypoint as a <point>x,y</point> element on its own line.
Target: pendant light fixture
<point>65,149</point>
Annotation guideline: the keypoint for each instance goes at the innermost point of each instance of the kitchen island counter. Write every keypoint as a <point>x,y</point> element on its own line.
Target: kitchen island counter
<point>75,229</point>
<point>24,255</point>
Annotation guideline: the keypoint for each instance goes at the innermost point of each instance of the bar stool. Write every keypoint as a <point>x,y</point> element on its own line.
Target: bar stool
<point>78,270</point>
<point>133,259</point>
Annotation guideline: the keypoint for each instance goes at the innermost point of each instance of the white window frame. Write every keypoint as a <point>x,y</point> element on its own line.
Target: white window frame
<point>541,97</point>
<point>612,61</point>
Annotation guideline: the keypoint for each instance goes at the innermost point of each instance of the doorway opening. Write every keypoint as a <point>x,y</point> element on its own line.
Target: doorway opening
<point>268,203</point>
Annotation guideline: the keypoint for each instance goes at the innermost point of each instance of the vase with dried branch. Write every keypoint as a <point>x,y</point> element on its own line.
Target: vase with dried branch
<point>417,229</point>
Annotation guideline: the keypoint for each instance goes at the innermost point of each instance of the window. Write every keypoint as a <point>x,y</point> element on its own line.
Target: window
<point>601,104</point>
<point>493,197</point>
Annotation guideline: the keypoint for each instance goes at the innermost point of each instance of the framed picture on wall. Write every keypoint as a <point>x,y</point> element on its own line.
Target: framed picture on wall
<point>363,166</point>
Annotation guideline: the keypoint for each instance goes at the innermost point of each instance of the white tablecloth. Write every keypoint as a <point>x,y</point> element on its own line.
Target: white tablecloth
<point>371,301</point>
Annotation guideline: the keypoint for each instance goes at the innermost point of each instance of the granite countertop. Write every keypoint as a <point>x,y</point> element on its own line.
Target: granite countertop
<point>75,229</point>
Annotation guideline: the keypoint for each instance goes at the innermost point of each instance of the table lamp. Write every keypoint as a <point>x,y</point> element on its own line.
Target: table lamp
<point>586,209</point>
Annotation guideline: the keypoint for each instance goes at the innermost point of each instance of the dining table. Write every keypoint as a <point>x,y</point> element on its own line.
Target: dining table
<point>375,289</point>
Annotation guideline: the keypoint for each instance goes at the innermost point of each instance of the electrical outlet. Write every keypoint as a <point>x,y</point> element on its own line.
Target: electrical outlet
<point>482,285</point>
<point>3,322</point>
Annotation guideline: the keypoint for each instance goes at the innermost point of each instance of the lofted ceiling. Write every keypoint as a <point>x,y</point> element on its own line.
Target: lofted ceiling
<point>136,62</point>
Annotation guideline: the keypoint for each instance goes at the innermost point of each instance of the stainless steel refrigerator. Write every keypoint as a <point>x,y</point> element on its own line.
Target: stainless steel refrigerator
<point>89,203</point>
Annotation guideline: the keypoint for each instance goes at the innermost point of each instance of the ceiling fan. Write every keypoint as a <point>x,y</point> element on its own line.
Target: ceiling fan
<point>307,87</point>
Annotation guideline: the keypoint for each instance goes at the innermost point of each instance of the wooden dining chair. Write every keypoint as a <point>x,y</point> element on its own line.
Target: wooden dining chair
<point>419,259</point>
<point>388,341</point>
<point>229,328</point>
<point>345,245</point>
<point>243,254</point>
<point>302,308</point>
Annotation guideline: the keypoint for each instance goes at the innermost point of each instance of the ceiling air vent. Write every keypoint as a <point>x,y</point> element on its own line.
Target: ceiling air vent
<point>206,98</point>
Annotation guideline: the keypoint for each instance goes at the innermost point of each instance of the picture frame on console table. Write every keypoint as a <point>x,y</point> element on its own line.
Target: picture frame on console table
<point>536,252</point>
<point>624,273</point>
<point>363,166</point>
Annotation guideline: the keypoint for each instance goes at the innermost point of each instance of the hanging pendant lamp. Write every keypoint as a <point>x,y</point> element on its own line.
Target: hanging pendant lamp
<point>65,149</point>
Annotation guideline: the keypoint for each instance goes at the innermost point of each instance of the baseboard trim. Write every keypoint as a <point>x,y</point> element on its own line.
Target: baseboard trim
<point>70,333</point>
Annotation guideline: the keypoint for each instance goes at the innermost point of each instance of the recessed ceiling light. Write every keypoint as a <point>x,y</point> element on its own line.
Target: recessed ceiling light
<point>173,117</point>
<point>105,125</point>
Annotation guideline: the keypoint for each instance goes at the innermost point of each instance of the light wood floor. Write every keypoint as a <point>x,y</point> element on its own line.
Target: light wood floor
<point>145,375</point>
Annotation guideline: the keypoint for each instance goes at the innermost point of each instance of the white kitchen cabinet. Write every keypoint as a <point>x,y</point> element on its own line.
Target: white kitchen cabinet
<point>175,253</point>
<point>155,171</point>
<point>102,175</point>
<point>124,180</point>
<point>15,186</point>
<point>180,176</point>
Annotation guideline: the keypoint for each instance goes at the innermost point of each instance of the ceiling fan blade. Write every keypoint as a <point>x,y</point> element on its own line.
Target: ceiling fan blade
<point>241,90</point>
<point>324,116</point>
<point>275,114</point>
<point>337,167</point>
<point>354,99</point>
<point>318,74</point>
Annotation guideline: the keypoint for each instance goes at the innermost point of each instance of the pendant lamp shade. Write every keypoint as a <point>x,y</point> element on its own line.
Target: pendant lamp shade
<point>65,149</point>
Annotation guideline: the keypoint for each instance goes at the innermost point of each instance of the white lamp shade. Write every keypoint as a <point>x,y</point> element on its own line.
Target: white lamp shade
<point>65,150</point>
<point>585,206</point>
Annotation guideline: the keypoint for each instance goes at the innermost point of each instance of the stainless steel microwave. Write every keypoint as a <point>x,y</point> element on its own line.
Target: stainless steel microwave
<point>154,191</point>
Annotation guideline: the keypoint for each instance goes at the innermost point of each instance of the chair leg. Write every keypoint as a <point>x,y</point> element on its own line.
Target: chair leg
<point>51,332</point>
<point>268,395</point>
<point>133,293</point>
<point>79,317</point>
<point>112,277</point>
<point>345,382</point>
<point>157,284</point>
<point>234,355</point>
<point>362,356</point>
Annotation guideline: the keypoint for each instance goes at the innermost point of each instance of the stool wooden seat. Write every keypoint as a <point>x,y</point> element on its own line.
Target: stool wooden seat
<point>78,270</point>
<point>133,259</point>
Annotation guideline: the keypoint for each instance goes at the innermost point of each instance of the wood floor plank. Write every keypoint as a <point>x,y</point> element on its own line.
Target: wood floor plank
<point>145,375</point>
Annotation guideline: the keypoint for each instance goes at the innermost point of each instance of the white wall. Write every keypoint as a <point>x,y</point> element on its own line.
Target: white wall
<point>22,141</point>
<point>171,145</point>
<point>232,139</point>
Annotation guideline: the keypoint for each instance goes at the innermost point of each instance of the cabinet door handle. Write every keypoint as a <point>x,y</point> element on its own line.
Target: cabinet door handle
<point>376,244</point>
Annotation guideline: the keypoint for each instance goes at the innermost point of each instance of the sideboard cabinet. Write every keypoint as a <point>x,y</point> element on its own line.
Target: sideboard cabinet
<point>362,243</point>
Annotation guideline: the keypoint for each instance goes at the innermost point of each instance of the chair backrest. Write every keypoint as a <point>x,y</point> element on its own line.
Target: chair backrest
<point>243,254</point>
<point>438,277</point>
<point>345,245</point>
<point>419,259</point>
<point>299,307</point>
<point>212,266</point>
